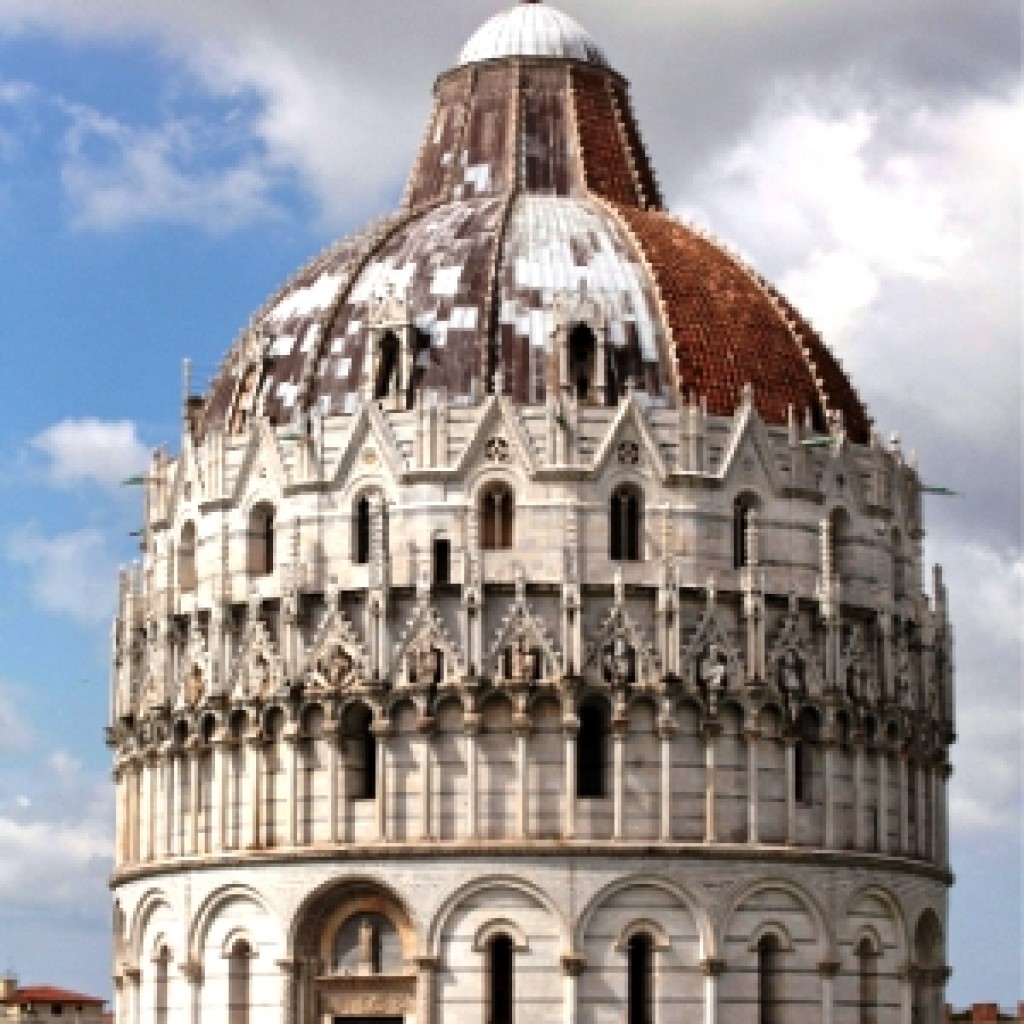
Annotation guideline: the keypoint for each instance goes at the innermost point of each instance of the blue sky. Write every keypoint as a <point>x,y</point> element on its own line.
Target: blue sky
<point>164,167</point>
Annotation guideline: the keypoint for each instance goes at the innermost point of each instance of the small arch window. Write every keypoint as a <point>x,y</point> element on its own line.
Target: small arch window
<point>387,382</point>
<point>362,752</point>
<point>261,540</point>
<point>500,980</point>
<point>582,359</point>
<point>187,557</point>
<point>803,776</point>
<point>497,518</point>
<point>743,514</point>
<point>640,984</point>
<point>769,980</point>
<point>592,752</point>
<point>362,526</point>
<point>441,559</point>
<point>839,539</point>
<point>626,523</point>
<point>867,983</point>
<point>239,983</point>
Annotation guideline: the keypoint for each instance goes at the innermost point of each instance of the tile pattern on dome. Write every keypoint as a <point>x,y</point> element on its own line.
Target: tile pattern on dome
<point>292,322</point>
<point>558,247</point>
<point>606,165</point>
<point>726,332</point>
<point>440,261</point>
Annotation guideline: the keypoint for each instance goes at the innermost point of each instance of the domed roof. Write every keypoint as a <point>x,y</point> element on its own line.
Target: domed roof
<point>532,209</point>
<point>532,30</point>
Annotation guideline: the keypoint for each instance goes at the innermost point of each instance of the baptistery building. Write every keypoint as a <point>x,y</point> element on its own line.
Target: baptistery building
<point>531,628</point>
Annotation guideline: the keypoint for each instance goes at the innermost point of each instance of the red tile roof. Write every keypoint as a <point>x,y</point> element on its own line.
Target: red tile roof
<point>49,994</point>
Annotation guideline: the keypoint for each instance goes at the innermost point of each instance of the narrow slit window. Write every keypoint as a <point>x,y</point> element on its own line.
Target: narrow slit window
<point>239,983</point>
<point>591,753</point>
<point>867,983</point>
<point>769,980</point>
<point>626,515</point>
<point>640,993</point>
<point>442,561</point>
<point>497,515</point>
<point>500,981</point>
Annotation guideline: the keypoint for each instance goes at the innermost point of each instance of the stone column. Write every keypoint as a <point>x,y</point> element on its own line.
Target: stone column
<point>571,729</point>
<point>426,974</point>
<point>713,969</point>
<point>712,730</point>
<point>219,794</point>
<point>254,762</point>
<point>619,730</point>
<point>942,849</point>
<point>382,731</point>
<point>425,727</point>
<point>522,728</point>
<point>472,730</point>
<point>332,737</point>
<point>906,976</point>
<point>173,773</point>
<point>573,965</point>
<point>859,839</point>
<point>290,744</point>
<point>753,738</point>
<point>666,732</point>
<point>828,971</point>
<point>134,977</point>
<point>193,795</point>
<point>149,852</point>
<point>924,817</point>
<point>192,972</point>
<point>791,791</point>
<point>904,806</point>
<point>883,800</point>
<point>830,796</point>
<point>119,813</point>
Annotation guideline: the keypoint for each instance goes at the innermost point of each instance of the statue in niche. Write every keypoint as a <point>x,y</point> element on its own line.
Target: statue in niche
<point>522,661</point>
<point>904,686</point>
<point>618,662</point>
<point>714,668</point>
<point>194,686</point>
<point>338,667</point>
<point>425,664</point>
<point>791,673</point>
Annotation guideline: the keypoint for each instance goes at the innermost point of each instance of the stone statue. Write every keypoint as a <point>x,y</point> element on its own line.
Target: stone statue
<point>523,661</point>
<point>792,673</point>
<point>714,668</point>
<point>618,662</point>
<point>367,948</point>
<point>425,663</point>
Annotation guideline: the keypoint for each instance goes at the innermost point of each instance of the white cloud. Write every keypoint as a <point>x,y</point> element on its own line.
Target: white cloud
<point>184,170</point>
<point>57,848</point>
<point>70,574</point>
<point>15,732</point>
<point>93,451</point>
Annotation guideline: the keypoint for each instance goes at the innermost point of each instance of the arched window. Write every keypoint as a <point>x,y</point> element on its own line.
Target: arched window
<point>163,961</point>
<point>930,954</point>
<point>803,776</point>
<point>592,751</point>
<point>626,523</point>
<point>898,566</point>
<point>387,382</point>
<point>187,557</point>
<point>582,357</point>
<point>867,975</point>
<point>442,561</point>
<point>839,538</point>
<point>362,752</point>
<point>362,526</point>
<point>769,980</point>
<point>500,984</point>
<point>261,540</point>
<point>743,512</point>
<point>239,983</point>
<point>640,994</point>
<point>497,518</point>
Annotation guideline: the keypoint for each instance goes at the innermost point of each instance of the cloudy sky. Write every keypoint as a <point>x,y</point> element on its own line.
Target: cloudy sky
<point>164,166</point>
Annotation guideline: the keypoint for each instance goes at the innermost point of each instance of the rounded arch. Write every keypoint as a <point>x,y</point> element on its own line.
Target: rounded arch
<point>479,885</point>
<point>213,904</point>
<point>147,907</point>
<point>771,928</point>
<point>500,926</point>
<point>643,927</point>
<point>705,928</point>
<point>929,940</point>
<point>318,914</point>
<point>889,901</point>
<point>826,943</point>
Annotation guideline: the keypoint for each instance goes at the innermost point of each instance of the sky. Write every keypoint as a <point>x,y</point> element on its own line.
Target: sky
<point>165,166</point>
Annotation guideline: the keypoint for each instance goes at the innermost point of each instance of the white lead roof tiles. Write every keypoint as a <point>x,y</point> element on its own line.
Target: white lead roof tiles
<point>532,30</point>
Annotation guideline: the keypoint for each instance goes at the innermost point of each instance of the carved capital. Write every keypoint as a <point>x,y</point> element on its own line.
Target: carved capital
<point>713,967</point>
<point>573,964</point>
<point>829,968</point>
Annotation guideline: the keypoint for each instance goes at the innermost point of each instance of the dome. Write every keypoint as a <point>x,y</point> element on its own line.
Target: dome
<point>532,30</point>
<point>505,644</point>
<point>532,208</point>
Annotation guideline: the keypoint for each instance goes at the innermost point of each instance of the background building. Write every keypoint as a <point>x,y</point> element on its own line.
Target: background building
<point>47,1004</point>
<point>532,625</point>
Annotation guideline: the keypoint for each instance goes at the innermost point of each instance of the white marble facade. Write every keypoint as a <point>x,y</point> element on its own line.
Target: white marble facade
<point>320,714</point>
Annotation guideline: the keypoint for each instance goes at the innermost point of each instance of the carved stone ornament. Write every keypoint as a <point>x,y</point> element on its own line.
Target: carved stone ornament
<point>258,671</point>
<point>336,659</point>
<point>522,650</point>
<point>620,653</point>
